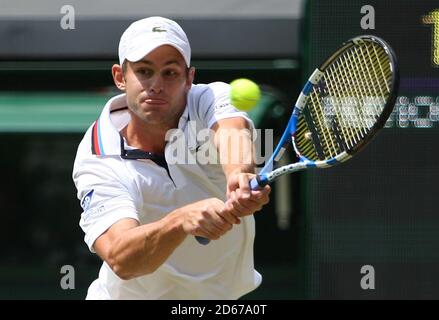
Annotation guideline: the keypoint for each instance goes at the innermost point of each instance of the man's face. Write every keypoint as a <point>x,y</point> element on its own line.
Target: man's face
<point>157,86</point>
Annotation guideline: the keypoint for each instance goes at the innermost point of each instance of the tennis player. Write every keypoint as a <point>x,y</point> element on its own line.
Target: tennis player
<point>142,205</point>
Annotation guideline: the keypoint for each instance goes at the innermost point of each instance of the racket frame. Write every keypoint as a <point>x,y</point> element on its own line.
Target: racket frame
<point>265,176</point>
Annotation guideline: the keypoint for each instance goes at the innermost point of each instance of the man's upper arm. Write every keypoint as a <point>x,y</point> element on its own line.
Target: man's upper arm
<point>105,199</point>
<point>105,241</point>
<point>215,105</point>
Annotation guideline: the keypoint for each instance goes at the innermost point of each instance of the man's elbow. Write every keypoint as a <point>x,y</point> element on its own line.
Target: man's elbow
<point>127,270</point>
<point>121,271</point>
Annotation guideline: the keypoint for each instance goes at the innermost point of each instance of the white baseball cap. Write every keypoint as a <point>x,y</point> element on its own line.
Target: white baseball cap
<point>145,35</point>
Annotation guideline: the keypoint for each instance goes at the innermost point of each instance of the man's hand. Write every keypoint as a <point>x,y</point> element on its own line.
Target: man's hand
<point>238,166</point>
<point>207,218</point>
<point>241,200</point>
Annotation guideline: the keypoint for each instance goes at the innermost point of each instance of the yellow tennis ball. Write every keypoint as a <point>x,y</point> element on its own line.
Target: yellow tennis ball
<point>244,94</point>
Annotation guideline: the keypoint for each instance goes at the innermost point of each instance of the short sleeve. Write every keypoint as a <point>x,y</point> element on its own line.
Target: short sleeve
<point>103,197</point>
<point>215,101</point>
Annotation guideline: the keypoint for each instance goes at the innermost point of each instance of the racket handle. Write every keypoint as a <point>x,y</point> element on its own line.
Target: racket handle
<point>254,184</point>
<point>202,240</point>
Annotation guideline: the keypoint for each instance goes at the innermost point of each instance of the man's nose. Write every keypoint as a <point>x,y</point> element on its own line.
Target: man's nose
<point>156,84</point>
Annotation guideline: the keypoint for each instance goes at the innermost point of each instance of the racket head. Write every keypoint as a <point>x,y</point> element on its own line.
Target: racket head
<point>342,106</point>
<point>346,101</point>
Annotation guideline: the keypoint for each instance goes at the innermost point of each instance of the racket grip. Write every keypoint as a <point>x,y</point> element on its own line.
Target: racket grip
<point>202,240</point>
<point>254,184</point>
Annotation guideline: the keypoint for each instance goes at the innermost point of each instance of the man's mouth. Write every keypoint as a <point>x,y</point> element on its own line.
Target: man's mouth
<point>155,101</point>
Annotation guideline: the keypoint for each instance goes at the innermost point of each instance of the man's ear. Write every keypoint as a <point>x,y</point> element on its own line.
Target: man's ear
<point>191,76</point>
<point>118,76</point>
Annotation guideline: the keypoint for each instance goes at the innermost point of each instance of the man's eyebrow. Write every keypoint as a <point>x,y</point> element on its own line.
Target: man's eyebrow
<point>172,62</point>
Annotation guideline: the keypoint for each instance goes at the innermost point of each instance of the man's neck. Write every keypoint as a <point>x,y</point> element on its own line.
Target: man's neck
<point>144,137</point>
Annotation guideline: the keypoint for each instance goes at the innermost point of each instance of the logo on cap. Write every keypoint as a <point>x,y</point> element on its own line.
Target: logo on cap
<point>157,29</point>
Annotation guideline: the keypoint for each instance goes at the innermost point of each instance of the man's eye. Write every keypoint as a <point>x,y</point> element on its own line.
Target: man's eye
<point>170,73</point>
<point>143,71</point>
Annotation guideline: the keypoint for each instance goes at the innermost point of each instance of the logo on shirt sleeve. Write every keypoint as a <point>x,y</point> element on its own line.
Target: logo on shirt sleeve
<point>222,106</point>
<point>86,200</point>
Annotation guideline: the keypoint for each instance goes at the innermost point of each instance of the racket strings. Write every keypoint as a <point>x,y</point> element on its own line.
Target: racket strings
<point>304,142</point>
<point>357,128</point>
<point>377,77</point>
<point>346,121</point>
<point>314,138</point>
<point>346,103</point>
<point>329,143</point>
<point>353,117</point>
<point>359,91</point>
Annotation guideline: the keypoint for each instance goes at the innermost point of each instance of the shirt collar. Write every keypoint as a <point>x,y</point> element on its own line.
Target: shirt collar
<point>106,139</point>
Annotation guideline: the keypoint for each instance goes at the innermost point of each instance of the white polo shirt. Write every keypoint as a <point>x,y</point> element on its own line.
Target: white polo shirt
<point>115,181</point>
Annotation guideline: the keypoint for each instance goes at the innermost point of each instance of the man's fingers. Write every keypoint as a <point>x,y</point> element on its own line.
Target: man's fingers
<point>227,214</point>
<point>244,185</point>
<point>208,218</point>
<point>262,198</point>
<point>213,230</point>
<point>240,205</point>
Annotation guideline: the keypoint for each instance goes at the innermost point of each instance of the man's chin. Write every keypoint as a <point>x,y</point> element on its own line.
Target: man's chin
<point>152,118</point>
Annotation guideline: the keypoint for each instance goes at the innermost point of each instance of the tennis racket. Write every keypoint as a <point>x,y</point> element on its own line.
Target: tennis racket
<point>343,105</point>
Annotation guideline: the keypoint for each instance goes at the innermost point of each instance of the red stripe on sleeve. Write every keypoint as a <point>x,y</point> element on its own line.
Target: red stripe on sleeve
<point>95,142</point>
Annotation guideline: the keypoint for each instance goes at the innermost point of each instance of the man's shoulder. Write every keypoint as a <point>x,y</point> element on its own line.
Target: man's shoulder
<point>214,87</point>
<point>204,96</point>
<point>88,162</point>
<point>84,146</point>
<point>84,153</point>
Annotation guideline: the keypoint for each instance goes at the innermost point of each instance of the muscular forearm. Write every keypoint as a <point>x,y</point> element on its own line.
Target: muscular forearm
<point>141,250</point>
<point>234,142</point>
